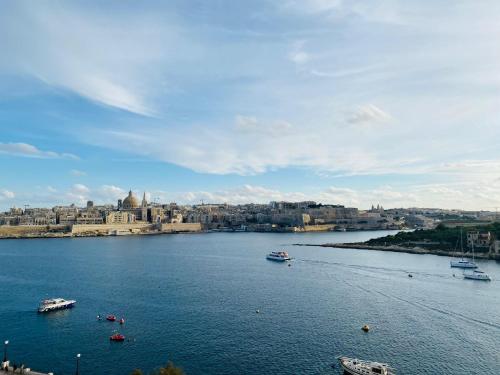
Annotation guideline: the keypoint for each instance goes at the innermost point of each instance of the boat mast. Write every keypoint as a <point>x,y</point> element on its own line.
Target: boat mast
<point>461,243</point>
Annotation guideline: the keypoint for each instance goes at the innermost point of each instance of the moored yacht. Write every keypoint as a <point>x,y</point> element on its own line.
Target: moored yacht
<point>463,263</point>
<point>353,366</point>
<point>55,304</point>
<point>477,275</point>
<point>278,256</point>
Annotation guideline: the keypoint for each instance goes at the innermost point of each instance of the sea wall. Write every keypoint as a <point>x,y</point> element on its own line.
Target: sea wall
<point>104,229</point>
<point>181,227</point>
<point>17,231</point>
<point>319,227</point>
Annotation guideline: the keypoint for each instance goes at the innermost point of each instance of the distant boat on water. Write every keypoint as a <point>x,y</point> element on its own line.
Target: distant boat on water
<point>477,275</point>
<point>463,262</point>
<point>278,256</point>
<point>55,304</point>
<point>353,366</point>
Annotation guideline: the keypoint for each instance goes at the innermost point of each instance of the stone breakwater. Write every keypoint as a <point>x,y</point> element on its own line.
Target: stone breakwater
<point>90,230</point>
<point>402,249</point>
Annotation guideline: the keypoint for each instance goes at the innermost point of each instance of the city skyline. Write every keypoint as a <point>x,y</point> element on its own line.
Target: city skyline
<point>341,103</point>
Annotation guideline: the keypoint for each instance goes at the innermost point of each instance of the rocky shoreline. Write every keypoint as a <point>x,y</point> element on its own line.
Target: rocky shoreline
<point>402,249</point>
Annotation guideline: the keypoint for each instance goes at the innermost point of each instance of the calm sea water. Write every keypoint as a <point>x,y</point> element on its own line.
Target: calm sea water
<point>193,299</point>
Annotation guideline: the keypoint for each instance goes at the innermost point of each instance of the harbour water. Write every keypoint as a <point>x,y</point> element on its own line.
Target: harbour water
<point>193,299</point>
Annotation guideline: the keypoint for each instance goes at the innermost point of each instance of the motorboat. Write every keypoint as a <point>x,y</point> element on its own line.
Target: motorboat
<point>111,318</point>
<point>353,366</point>
<point>278,256</point>
<point>53,304</point>
<point>117,337</point>
<point>122,321</point>
<point>477,275</point>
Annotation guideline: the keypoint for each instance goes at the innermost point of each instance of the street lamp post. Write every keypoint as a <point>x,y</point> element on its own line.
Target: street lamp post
<point>6,342</point>
<point>78,364</point>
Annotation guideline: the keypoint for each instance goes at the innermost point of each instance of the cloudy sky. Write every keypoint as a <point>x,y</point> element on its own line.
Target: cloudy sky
<point>349,102</point>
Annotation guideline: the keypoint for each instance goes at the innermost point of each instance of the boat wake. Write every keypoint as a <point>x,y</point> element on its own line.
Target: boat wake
<point>424,306</point>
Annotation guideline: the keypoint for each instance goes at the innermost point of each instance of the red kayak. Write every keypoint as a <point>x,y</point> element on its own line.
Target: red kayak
<point>111,318</point>
<point>117,337</point>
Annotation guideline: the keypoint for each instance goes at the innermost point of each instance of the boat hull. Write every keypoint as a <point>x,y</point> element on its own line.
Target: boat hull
<point>462,265</point>
<point>277,259</point>
<point>47,309</point>
<point>479,278</point>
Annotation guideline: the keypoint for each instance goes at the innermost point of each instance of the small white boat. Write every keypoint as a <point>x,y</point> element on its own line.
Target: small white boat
<point>355,366</point>
<point>278,256</point>
<point>477,275</point>
<point>55,304</point>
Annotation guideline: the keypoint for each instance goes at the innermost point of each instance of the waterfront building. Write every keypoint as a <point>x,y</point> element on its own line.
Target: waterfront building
<point>90,217</point>
<point>120,217</point>
<point>480,240</point>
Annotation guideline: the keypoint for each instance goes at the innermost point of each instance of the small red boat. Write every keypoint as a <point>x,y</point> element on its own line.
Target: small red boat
<point>111,318</point>
<point>117,337</point>
<point>122,321</point>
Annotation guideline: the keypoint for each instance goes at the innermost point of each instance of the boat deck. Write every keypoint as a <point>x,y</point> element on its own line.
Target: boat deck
<point>18,371</point>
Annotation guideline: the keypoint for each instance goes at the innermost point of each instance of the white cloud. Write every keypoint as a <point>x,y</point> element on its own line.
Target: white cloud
<point>80,189</point>
<point>27,150</point>
<point>313,6</point>
<point>298,55</point>
<point>110,193</point>
<point>6,194</point>
<point>103,58</point>
<point>368,114</point>
<point>78,173</point>
<point>253,125</point>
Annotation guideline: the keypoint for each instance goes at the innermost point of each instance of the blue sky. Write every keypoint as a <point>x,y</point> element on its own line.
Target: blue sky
<point>348,102</point>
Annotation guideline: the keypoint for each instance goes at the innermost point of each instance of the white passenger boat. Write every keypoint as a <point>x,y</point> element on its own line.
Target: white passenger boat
<point>477,275</point>
<point>353,366</point>
<point>55,304</point>
<point>278,256</point>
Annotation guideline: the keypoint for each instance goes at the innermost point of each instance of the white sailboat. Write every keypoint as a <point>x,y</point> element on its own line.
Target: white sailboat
<point>463,262</point>
<point>476,274</point>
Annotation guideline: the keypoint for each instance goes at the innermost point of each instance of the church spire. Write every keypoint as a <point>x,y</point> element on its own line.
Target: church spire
<point>144,201</point>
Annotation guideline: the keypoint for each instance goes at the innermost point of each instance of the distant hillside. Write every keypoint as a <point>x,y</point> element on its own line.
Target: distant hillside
<point>441,237</point>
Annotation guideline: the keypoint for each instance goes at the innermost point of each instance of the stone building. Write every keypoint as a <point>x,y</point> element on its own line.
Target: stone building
<point>120,217</point>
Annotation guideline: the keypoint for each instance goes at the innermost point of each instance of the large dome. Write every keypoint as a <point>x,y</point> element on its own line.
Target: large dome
<point>131,201</point>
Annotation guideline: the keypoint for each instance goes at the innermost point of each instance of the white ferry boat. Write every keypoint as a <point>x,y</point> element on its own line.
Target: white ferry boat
<point>278,256</point>
<point>477,275</point>
<point>55,304</point>
<point>352,366</point>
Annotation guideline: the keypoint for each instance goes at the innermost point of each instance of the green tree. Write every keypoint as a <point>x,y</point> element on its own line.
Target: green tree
<point>170,369</point>
<point>136,372</point>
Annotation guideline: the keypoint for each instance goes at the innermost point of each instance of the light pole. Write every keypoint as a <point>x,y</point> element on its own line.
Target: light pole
<point>6,342</point>
<point>78,364</point>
